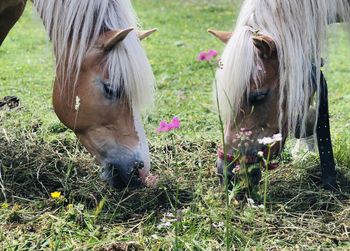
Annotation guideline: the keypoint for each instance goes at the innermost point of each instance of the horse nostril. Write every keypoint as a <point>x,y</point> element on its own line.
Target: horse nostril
<point>141,165</point>
<point>138,165</point>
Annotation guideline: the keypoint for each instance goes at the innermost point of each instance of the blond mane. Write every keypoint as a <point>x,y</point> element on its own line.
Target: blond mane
<point>299,29</point>
<point>74,27</point>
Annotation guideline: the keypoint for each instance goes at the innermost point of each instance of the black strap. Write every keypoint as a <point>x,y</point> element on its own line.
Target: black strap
<point>324,138</point>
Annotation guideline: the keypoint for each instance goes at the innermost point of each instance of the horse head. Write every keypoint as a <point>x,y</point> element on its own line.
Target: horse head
<point>100,111</point>
<point>271,70</point>
<point>103,82</point>
<point>256,115</point>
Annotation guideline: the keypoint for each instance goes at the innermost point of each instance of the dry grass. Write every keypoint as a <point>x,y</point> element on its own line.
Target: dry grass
<point>301,215</point>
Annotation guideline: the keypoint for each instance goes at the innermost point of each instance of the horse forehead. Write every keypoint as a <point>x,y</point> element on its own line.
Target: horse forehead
<point>269,66</point>
<point>266,76</point>
<point>93,59</point>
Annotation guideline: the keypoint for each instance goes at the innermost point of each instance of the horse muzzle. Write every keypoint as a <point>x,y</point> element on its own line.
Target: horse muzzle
<point>121,175</point>
<point>124,168</point>
<point>233,163</point>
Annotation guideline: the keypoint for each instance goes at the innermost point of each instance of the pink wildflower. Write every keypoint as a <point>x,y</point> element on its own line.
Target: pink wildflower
<point>202,56</point>
<point>248,133</point>
<point>151,181</point>
<point>163,127</point>
<point>213,53</point>
<point>167,127</point>
<point>175,122</point>
<point>236,169</point>
<point>207,56</point>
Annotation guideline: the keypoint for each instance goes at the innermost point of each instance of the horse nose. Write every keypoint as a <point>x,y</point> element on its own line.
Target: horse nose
<point>123,174</point>
<point>220,167</point>
<point>252,152</point>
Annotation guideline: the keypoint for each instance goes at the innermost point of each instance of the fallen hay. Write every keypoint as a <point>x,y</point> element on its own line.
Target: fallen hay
<point>300,213</point>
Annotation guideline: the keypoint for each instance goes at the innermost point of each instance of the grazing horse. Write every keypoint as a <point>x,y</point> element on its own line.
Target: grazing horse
<point>103,80</point>
<point>270,73</point>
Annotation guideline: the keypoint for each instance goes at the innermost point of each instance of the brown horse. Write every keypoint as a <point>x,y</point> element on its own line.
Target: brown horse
<point>10,12</point>
<point>271,71</point>
<point>103,79</point>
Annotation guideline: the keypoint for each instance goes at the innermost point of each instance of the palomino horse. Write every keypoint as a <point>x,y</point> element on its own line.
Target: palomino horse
<point>103,79</point>
<point>271,70</point>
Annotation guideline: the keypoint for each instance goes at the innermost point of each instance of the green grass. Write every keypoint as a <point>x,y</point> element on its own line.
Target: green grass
<point>38,156</point>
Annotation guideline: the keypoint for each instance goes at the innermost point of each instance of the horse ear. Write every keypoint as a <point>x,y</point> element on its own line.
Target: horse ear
<point>265,45</point>
<point>224,36</point>
<point>119,35</point>
<point>143,34</point>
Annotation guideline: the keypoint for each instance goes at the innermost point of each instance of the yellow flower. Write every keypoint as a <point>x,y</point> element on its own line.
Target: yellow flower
<point>4,205</point>
<point>55,195</point>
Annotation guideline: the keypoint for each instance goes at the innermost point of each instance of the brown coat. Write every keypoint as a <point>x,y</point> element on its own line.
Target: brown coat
<point>10,12</point>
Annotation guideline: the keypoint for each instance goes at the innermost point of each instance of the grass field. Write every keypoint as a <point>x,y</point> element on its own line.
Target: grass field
<point>39,156</point>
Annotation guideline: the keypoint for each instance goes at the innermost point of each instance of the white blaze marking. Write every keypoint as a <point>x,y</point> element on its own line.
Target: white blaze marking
<point>142,148</point>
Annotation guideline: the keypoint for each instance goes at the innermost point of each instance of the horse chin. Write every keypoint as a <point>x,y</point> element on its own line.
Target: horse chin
<point>220,166</point>
<point>233,171</point>
<point>251,160</point>
<point>110,175</point>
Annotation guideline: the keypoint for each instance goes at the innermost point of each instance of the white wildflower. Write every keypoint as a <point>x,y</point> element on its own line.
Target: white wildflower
<point>218,225</point>
<point>270,140</point>
<point>167,221</point>
<point>261,154</point>
<point>251,202</point>
<point>77,103</point>
<point>277,137</point>
<point>166,224</point>
<point>169,215</point>
<point>266,141</point>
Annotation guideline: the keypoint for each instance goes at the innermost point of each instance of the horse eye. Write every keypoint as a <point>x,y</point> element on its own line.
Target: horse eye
<point>257,97</point>
<point>112,92</point>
